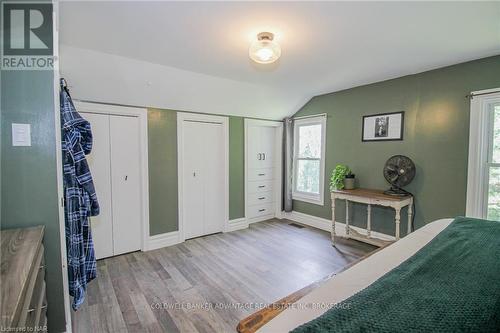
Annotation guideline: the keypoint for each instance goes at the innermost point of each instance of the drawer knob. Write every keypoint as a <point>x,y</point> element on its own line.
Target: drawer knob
<point>262,210</point>
<point>262,186</point>
<point>262,198</point>
<point>262,174</point>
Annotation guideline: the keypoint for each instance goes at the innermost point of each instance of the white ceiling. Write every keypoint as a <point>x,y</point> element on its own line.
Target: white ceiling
<point>326,46</point>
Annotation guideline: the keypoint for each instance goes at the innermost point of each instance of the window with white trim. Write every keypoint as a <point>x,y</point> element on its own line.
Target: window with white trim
<point>309,159</point>
<point>483,181</point>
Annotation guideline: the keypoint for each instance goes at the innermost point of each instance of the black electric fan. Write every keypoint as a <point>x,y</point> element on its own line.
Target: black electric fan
<point>399,171</point>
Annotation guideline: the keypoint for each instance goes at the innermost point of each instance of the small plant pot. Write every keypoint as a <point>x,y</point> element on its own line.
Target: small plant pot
<point>349,183</point>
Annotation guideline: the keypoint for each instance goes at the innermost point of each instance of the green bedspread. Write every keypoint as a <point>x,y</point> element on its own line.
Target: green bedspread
<point>451,285</point>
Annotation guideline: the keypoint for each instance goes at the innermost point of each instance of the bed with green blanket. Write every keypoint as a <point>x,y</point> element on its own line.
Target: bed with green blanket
<point>450,284</point>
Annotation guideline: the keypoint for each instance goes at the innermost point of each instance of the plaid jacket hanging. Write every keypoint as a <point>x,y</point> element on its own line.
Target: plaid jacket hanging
<point>80,198</point>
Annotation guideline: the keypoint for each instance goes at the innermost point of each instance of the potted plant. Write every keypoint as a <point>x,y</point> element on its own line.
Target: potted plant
<point>342,178</point>
<point>349,181</point>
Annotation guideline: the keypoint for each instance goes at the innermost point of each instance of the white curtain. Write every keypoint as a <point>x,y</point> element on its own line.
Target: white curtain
<point>287,164</point>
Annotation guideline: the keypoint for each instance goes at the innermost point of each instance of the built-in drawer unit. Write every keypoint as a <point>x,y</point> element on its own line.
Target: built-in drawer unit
<point>260,186</point>
<point>260,174</point>
<point>260,210</point>
<point>262,169</point>
<point>23,290</point>
<point>260,198</point>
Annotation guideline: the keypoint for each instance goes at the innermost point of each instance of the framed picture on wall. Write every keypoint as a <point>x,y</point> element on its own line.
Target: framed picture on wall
<point>383,127</point>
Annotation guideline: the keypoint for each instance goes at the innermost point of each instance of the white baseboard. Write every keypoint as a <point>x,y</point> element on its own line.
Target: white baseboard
<point>251,220</point>
<point>324,224</point>
<point>174,237</point>
<point>313,221</point>
<point>163,240</point>
<point>236,224</point>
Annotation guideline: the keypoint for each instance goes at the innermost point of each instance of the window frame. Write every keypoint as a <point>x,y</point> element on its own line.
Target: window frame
<point>480,151</point>
<point>317,199</point>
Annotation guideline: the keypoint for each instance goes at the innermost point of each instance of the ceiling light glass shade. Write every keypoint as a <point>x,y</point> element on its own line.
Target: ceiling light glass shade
<point>264,50</point>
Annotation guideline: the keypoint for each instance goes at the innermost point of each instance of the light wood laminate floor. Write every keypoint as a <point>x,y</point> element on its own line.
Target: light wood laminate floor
<point>208,284</point>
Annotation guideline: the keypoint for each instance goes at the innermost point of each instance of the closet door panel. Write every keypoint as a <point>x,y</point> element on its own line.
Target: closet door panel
<point>213,166</point>
<point>254,155</point>
<point>126,183</point>
<point>99,162</point>
<point>193,179</point>
<point>267,137</point>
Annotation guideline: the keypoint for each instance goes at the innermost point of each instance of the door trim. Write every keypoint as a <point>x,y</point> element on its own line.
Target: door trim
<point>224,121</point>
<point>142,115</point>
<point>278,162</point>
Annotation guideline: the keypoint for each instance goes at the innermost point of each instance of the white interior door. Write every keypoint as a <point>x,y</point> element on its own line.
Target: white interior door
<point>213,177</point>
<point>125,183</point>
<point>193,185</point>
<point>99,161</point>
<point>203,178</point>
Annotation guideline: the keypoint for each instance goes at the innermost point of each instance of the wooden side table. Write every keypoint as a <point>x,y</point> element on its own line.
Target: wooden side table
<point>371,197</point>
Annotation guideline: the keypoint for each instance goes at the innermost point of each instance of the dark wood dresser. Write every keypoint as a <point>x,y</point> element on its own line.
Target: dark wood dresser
<point>22,275</point>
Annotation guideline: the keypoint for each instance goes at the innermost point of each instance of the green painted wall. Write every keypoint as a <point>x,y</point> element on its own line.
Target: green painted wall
<point>162,152</point>
<point>435,137</point>
<point>162,138</point>
<point>236,167</point>
<point>28,174</point>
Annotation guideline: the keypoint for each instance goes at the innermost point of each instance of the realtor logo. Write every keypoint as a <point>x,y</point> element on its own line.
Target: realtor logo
<point>27,40</point>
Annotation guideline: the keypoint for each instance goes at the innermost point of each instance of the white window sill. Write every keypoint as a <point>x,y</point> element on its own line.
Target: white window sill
<point>316,200</point>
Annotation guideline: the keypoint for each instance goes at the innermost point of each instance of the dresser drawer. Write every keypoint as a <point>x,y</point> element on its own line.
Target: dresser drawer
<point>42,324</point>
<point>260,186</point>
<point>260,174</point>
<point>34,292</point>
<point>260,198</point>
<point>36,314</point>
<point>260,210</point>
<point>38,302</point>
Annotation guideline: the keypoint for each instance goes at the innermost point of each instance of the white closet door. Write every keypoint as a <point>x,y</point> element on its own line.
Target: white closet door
<point>193,185</point>
<point>213,166</point>
<point>203,178</point>
<point>125,183</point>
<point>255,157</point>
<point>99,161</point>
<point>267,139</point>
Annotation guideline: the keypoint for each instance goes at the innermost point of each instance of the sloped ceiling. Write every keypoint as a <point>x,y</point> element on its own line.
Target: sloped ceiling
<point>194,55</point>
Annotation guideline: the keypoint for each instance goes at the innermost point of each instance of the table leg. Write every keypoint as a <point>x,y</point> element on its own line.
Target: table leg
<point>410,214</point>
<point>369,220</point>
<point>347,217</point>
<point>398,220</point>
<point>333,221</point>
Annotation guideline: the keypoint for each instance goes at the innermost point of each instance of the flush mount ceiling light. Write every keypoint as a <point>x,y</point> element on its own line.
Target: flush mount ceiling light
<point>264,50</point>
